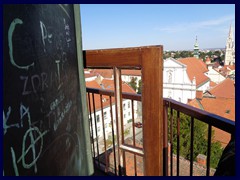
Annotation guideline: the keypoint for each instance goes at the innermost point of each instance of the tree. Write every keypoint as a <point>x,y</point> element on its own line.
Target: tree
<point>133,83</point>
<point>139,87</point>
<point>200,139</point>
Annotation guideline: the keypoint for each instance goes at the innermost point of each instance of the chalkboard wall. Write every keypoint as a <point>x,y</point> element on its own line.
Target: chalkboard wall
<point>42,116</point>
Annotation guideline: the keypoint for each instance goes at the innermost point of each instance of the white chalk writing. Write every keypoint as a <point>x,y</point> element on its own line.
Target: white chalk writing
<point>24,112</point>
<point>45,35</point>
<point>38,82</point>
<point>62,115</point>
<point>10,45</point>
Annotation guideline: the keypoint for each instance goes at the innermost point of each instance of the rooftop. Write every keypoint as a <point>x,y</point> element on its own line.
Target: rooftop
<point>195,68</point>
<point>225,89</point>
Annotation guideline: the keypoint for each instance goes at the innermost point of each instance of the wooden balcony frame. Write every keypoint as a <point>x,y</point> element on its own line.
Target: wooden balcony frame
<point>150,60</point>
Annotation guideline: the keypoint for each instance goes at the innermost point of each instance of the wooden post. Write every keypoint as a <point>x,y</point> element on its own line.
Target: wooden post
<point>119,118</point>
<point>152,102</point>
<point>149,59</point>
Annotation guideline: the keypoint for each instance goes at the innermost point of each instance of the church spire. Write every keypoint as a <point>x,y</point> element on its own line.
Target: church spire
<point>230,34</point>
<point>230,48</point>
<point>196,49</point>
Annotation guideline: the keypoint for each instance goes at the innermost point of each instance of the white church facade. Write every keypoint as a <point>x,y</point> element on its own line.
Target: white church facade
<point>176,83</point>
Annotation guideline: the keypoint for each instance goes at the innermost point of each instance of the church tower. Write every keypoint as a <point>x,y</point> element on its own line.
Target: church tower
<point>230,49</point>
<point>196,49</point>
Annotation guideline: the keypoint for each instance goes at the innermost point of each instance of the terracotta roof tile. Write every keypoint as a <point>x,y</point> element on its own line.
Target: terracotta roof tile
<point>195,68</point>
<point>105,73</point>
<point>223,107</point>
<point>224,89</point>
<point>108,85</point>
<point>212,84</point>
<point>131,72</point>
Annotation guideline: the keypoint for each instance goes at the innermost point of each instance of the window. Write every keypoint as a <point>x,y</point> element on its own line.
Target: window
<point>129,105</point>
<point>98,118</point>
<point>124,115</point>
<point>128,113</point>
<point>105,115</point>
<point>98,129</point>
<point>124,106</point>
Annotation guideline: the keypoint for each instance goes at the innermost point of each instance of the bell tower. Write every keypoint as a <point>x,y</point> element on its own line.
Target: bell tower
<point>196,49</point>
<point>230,49</point>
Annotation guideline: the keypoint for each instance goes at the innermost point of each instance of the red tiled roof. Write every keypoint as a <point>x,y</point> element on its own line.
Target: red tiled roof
<point>108,85</point>
<point>224,89</point>
<point>217,106</point>
<point>131,72</point>
<point>232,67</point>
<point>224,107</point>
<point>195,68</point>
<point>97,99</point>
<point>212,84</point>
<point>225,70</point>
<point>88,74</point>
<point>105,73</point>
<point>93,84</point>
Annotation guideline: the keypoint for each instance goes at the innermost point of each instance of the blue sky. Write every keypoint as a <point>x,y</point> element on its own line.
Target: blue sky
<point>173,26</point>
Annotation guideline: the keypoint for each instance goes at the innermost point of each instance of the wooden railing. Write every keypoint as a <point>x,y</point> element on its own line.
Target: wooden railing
<point>150,61</point>
<point>155,112</point>
<point>169,106</point>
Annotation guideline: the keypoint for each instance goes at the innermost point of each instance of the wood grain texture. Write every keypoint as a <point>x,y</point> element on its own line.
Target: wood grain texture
<point>152,102</point>
<point>119,57</point>
<point>149,59</point>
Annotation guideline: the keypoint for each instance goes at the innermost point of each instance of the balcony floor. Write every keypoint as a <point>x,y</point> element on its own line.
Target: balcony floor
<point>98,172</point>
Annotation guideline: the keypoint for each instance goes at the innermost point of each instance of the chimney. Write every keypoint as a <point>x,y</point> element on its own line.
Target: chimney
<point>199,94</point>
<point>202,159</point>
<point>188,101</point>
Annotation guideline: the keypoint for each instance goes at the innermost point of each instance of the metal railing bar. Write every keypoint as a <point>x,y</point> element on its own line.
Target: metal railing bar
<point>171,140</point>
<point>165,141</point>
<point>104,137</point>
<point>90,115</point>
<point>209,149</point>
<point>178,141</point>
<point>191,147</point>
<point>125,95</point>
<point>96,133</point>
<point>113,140</point>
<point>209,118</point>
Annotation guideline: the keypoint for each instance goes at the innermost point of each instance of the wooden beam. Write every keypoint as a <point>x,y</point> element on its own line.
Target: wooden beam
<point>119,57</point>
<point>152,102</point>
<point>127,57</point>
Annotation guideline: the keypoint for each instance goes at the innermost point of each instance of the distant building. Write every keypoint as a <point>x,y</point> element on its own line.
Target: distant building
<point>196,49</point>
<point>104,116</point>
<point>230,49</point>
<point>220,100</point>
<point>214,75</point>
<point>127,75</point>
<point>196,69</point>
<point>176,83</point>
